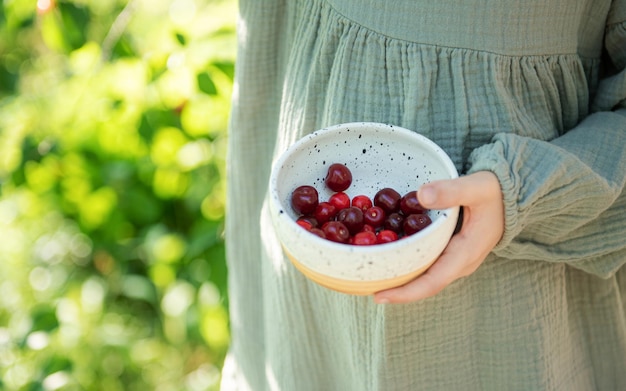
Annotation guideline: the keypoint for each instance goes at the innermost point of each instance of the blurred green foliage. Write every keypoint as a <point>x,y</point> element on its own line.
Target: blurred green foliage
<point>113,118</point>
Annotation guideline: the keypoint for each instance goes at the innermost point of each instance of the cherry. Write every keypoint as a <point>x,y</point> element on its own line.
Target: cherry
<point>338,177</point>
<point>364,238</point>
<point>336,231</point>
<point>362,202</point>
<point>310,220</point>
<point>386,236</point>
<point>304,199</point>
<point>362,220</point>
<point>304,224</point>
<point>352,217</point>
<point>374,216</point>
<point>409,204</point>
<point>388,199</point>
<point>394,222</point>
<point>325,211</point>
<point>341,200</point>
<point>415,222</point>
<point>318,232</point>
<point>368,228</point>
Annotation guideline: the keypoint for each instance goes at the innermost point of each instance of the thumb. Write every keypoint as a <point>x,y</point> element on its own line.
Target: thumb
<point>462,191</point>
<point>436,195</point>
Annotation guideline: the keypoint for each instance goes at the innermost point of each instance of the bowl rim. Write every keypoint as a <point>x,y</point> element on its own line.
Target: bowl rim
<point>344,247</point>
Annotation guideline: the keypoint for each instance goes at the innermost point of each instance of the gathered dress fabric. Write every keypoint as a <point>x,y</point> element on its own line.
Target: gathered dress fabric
<point>533,91</point>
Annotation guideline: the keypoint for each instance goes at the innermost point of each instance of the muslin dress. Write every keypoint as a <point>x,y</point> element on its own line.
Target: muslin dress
<point>533,91</point>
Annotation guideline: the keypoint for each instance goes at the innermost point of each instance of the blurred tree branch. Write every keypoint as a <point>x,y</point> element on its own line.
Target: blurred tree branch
<point>117,29</point>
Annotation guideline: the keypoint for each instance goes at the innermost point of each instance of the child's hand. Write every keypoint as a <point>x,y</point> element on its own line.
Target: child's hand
<point>483,225</point>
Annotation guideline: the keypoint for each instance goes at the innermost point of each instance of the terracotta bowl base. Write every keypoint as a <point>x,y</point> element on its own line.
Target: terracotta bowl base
<point>353,287</point>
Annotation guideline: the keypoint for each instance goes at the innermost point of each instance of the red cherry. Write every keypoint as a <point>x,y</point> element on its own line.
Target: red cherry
<point>409,204</point>
<point>325,211</point>
<point>374,216</point>
<point>338,177</point>
<point>368,228</point>
<point>394,222</point>
<point>304,199</point>
<point>336,231</point>
<point>388,199</point>
<point>309,219</point>
<point>386,236</point>
<point>341,200</point>
<point>304,224</point>
<point>352,217</point>
<point>362,220</point>
<point>366,238</point>
<point>318,232</point>
<point>415,223</point>
<point>362,202</point>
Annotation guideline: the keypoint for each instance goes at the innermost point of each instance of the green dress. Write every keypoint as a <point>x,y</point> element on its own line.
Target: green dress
<point>534,91</point>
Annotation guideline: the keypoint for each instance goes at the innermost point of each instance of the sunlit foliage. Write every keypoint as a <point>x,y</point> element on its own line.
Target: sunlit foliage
<point>113,120</point>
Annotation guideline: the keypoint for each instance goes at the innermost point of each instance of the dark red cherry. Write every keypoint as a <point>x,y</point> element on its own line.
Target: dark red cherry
<point>338,177</point>
<point>304,199</point>
<point>374,216</point>
<point>415,223</point>
<point>318,232</point>
<point>409,204</point>
<point>394,222</point>
<point>388,199</point>
<point>310,220</point>
<point>367,227</point>
<point>336,231</point>
<point>352,217</point>
<point>325,211</point>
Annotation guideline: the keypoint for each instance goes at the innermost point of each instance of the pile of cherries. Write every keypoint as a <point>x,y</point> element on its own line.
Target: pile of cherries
<point>362,220</point>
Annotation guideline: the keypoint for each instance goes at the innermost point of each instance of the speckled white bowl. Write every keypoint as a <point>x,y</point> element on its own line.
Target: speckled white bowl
<point>378,155</point>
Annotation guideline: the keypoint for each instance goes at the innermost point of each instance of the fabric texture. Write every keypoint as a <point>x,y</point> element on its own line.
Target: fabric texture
<point>534,92</point>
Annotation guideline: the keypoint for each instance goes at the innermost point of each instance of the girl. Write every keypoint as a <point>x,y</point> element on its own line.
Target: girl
<point>529,100</point>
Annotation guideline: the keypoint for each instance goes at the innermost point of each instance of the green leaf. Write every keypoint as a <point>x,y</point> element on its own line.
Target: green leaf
<point>124,49</point>
<point>44,318</point>
<point>204,235</point>
<point>205,83</point>
<point>153,119</point>
<point>33,386</point>
<point>57,363</point>
<point>226,67</point>
<point>181,39</point>
<point>8,81</point>
<point>218,268</point>
<point>75,23</point>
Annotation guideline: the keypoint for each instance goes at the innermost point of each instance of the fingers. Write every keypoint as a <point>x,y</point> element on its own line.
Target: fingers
<point>451,265</point>
<point>465,190</point>
<point>483,223</point>
<point>428,284</point>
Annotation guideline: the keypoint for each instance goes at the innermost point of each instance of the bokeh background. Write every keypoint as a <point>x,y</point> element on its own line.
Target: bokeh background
<point>113,117</point>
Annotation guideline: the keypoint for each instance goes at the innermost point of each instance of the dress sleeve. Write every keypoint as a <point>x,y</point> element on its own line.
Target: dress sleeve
<point>565,199</point>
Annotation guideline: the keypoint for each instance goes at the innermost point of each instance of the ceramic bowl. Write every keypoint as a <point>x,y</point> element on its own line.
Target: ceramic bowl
<point>378,155</point>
